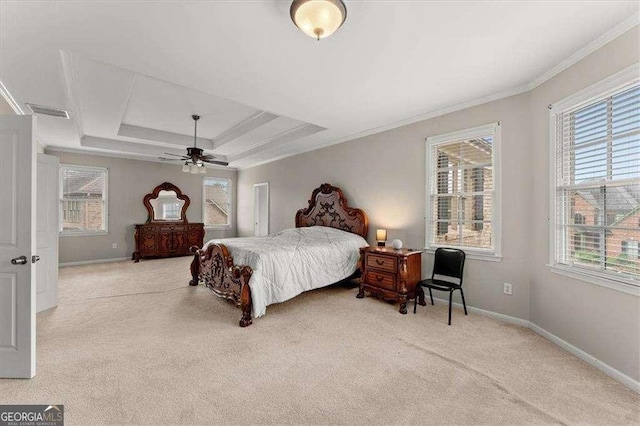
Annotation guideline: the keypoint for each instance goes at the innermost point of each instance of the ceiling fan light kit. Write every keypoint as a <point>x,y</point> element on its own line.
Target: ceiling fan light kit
<point>318,18</point>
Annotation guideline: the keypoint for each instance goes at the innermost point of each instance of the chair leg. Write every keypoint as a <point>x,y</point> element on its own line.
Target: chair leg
<point>463,302</point>
<point>415,303</point>
<point>450,302</point>
<point>431,296</point>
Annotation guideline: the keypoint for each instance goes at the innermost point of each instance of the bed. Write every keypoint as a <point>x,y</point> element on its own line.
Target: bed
<point>321,250</point>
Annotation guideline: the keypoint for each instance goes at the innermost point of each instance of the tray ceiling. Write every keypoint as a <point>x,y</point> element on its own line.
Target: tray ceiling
<point>132,73</point>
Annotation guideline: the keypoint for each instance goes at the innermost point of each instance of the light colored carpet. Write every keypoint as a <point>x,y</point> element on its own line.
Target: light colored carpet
<point>133,344</point>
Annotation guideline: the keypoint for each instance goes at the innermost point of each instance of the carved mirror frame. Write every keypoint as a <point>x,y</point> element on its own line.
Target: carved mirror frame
<point>166,186</point>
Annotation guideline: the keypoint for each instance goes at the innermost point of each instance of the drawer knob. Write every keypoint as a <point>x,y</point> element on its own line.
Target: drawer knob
<point>380,262</point>
<point>379,278</point>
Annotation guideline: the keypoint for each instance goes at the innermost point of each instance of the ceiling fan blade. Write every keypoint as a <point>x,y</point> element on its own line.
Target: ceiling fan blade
<point>221,163</point>
<point>175,155</point>
<point>170,159</point>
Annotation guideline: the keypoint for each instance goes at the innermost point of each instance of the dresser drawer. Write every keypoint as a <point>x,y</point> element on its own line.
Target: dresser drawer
<point>381,279</point>
<point>172,228</point>
<point>388,263</point>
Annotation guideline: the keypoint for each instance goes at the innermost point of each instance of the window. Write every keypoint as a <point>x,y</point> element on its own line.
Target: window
<point>463,191</point>
<point>630,249</point>
<point>83,200</point>
<point>595,202</point>
<point>216,197</point>
<point>171,211</point>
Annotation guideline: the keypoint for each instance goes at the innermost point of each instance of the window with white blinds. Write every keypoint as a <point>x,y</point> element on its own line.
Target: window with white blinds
<point>83,200</point>
<point>597,184</point>
<point>462,198</point>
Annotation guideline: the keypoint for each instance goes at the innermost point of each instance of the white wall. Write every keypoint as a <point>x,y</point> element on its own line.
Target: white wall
<point>129,182</point>
<point>603,322</point>
<point>385,175</point>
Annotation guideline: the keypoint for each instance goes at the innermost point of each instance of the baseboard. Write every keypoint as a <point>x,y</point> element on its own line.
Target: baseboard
<point>629,382</point>
<point>90,262</point>
<point>502,317</point>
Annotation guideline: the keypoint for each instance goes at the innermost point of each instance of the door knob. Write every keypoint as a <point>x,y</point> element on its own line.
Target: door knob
<point>19,260</point>
<point>34,258</point>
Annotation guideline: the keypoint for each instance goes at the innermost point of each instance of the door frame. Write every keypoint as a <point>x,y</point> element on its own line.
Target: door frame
<point>258,187</point>
<point>47,233</point>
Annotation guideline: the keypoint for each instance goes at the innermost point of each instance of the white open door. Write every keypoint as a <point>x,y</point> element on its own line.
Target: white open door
<point>47,207</point>
<point>17,246</point>
<point>261,209</point>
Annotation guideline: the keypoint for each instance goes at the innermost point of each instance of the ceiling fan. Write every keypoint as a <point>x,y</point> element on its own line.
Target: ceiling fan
<point>195,158</point>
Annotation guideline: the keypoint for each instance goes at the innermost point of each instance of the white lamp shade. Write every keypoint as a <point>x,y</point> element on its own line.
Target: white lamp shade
<point>186,168</point>
<point>318,18</point>
<point>194,169</point>
<point>381,235</point>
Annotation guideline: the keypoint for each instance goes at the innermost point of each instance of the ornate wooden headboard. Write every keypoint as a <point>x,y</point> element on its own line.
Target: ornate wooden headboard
<point>328,207</point>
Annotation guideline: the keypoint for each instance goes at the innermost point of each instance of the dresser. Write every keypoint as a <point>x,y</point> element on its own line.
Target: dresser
<point>391,274</point>
<point>167,232</point>
<point>167,239</point>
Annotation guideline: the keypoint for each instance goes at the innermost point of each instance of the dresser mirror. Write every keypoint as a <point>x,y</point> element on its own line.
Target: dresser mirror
<point>166,204</point>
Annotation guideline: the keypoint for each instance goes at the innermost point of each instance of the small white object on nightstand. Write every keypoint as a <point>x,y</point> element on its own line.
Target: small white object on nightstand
<point>396,244</point>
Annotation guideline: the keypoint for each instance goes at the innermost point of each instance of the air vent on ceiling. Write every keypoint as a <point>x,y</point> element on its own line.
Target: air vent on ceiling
<point>43,110</point>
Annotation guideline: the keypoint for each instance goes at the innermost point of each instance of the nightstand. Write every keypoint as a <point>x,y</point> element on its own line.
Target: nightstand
<point>391,274</point>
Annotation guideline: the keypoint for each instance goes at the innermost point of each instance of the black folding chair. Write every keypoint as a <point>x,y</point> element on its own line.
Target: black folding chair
<point>448,266</point>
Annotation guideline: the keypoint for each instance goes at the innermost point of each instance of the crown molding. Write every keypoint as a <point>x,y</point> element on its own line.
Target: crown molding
<point>582,53</point>
<point>130,156</point>
<point>283,138</point>
<point>71,86</point>
<point>155,135</point>
<point>405,122</point>
<point>245,126</point>
<point>15,106</point>
<point>594,45</point>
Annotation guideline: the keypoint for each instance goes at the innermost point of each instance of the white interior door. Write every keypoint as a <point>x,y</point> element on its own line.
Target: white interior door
<point>47,208</point>
<point>261,209</point>
<point>17,245</point>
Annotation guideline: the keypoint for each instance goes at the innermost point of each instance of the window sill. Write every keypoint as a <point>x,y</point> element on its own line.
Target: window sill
<point>569,272</point>
<point>488,257</point>
<point>82,233</point>
<point>217,227</point>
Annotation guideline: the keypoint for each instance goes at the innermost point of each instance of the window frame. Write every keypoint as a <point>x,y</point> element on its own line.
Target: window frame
<point>105,202</point>
<point>229,224</point>
<point>597,91</point>
<point>494,129</point>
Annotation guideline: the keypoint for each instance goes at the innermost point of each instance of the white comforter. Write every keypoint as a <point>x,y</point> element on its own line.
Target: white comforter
<point>294,260</point>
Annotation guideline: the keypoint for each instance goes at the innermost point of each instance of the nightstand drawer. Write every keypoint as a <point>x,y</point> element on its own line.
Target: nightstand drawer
<point>387,263</point>
<point>381,279</point>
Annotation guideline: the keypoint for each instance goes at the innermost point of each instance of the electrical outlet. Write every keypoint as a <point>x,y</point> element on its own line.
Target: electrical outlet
<point>114,245</point>
<point>508,289</point>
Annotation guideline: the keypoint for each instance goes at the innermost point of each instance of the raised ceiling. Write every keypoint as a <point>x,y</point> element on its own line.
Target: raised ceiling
<point>132,73</point>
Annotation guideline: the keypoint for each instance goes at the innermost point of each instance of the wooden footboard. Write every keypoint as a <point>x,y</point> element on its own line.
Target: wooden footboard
<point>214,267</point>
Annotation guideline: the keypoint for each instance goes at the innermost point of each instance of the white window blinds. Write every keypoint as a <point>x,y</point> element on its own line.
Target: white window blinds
<point>462,190</point>
<point>597,185</point>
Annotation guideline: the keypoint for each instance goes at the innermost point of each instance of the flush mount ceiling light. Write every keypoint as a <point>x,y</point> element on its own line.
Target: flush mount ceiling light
<point>318,18</point>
